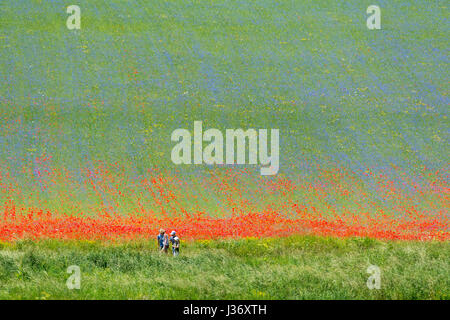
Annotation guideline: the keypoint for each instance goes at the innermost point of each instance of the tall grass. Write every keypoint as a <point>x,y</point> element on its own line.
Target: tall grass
<point>298,267</point>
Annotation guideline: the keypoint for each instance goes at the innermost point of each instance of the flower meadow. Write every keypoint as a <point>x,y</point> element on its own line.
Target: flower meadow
<point>229,203</point>
<point>86,118</point>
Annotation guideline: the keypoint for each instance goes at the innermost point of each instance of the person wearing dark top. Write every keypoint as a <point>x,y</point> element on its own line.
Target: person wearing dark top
<point>175,243</point>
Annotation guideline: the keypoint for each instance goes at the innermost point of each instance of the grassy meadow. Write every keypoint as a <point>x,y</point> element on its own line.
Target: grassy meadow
<point>297,267</point>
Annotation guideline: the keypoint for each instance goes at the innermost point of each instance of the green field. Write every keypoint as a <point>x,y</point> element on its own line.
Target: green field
<point>286,268</point>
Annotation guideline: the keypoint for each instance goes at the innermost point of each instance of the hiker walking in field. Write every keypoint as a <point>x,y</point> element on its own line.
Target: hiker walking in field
<point>175,243</point>
<point>163,241</point>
